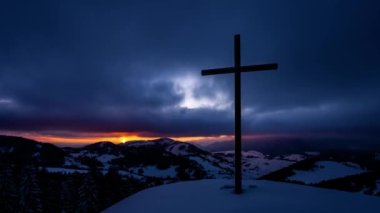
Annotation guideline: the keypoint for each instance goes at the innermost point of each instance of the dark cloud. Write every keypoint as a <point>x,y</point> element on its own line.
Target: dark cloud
<point>91,66</point>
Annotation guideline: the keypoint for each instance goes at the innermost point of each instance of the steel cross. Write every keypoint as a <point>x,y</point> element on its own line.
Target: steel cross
<point>237,70</point>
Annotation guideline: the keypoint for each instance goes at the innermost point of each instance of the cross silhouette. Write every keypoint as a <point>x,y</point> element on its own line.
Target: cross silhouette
<point>237,70</point>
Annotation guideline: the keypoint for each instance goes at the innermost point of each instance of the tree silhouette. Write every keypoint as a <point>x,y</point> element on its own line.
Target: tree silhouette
<point>8,190</point>
<point>69,195</point>
<point>88,193</point>
<point>30,192</point>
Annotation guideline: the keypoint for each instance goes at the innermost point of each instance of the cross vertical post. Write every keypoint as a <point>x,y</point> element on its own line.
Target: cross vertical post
<point>237,70</point>
<point>238,183</point>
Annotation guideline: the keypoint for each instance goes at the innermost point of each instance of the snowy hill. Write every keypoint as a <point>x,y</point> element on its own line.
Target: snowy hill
<point>165,158</point>
<point>326,170</point>
<point>351,171</point>
<point>263,197</point>
<point>132,157</point>
<point>142,164</point>
<point>256,164</point>
<point>22,150</point>
<point>167,161</point>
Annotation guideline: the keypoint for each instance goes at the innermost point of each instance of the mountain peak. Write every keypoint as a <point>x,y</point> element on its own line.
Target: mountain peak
<point>101,145</point>
<point>164,140</point>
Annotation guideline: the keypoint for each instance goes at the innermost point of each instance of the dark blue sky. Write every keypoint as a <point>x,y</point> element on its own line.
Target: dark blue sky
<point>77,67</point>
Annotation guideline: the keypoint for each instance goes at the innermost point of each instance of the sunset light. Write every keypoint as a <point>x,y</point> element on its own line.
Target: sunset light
<point>69,138</point>
<point>189,106</point>
<point>123,139</point>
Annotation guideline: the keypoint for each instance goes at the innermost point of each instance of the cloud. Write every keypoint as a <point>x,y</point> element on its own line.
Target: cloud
<point>200,93</point>
<point>135,66</point>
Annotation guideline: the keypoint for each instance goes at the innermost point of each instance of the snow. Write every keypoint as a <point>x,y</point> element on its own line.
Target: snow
<point>36,154</point>
<point>207,165</point>
<point>179,149</point>
<point>256,167</point>
<point>84,153</point>
<point>256,164</point>
<point>105,158</point>
<point>248,154</point>
<point>73,158</point>
<point>64,170</point>
<point>326,170</point>
<point>377,186</point>
<point>294,157</point>
<point>72,162</point>
<point>264,197</point>
<point>129,174</point>
<point>153,171</point>
<point>82,171</point>
<point>6,150</point>
<point>312,153</point>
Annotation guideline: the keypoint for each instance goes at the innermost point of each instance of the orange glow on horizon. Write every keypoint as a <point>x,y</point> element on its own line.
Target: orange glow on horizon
<point>114,137</point>
<point>111,137</point>
<point>80,138</point>
<point>125,139</point>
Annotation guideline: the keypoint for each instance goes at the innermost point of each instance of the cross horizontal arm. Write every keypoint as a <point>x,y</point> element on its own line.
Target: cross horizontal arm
<point>252,68</point>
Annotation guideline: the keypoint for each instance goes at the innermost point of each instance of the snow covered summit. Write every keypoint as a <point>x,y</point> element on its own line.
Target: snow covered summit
<point>265,196</point>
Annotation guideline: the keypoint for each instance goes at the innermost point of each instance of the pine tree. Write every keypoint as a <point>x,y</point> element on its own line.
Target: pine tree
<point>30,192</point>
<point>68,195</point>
<point>88,193</point>
<point>113,187</point>
<point>8,190</point>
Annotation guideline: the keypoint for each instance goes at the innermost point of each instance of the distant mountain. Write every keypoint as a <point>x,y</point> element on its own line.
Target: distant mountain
<point>276,146</point>
<point>103,145</point>
<point>169,145</point>
<point>168,160</point>
<point>291,145</point>
<point>162,158</point>
<point>354,171</point>
<point>22,150</point>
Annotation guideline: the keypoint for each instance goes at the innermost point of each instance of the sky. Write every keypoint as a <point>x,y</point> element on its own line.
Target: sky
<point>80,71</point>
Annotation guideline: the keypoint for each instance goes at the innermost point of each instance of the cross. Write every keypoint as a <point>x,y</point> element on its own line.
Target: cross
<point>237,70</point>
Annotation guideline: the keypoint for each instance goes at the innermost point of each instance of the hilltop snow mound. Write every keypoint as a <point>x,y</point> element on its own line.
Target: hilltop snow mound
<point>265,196</point>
